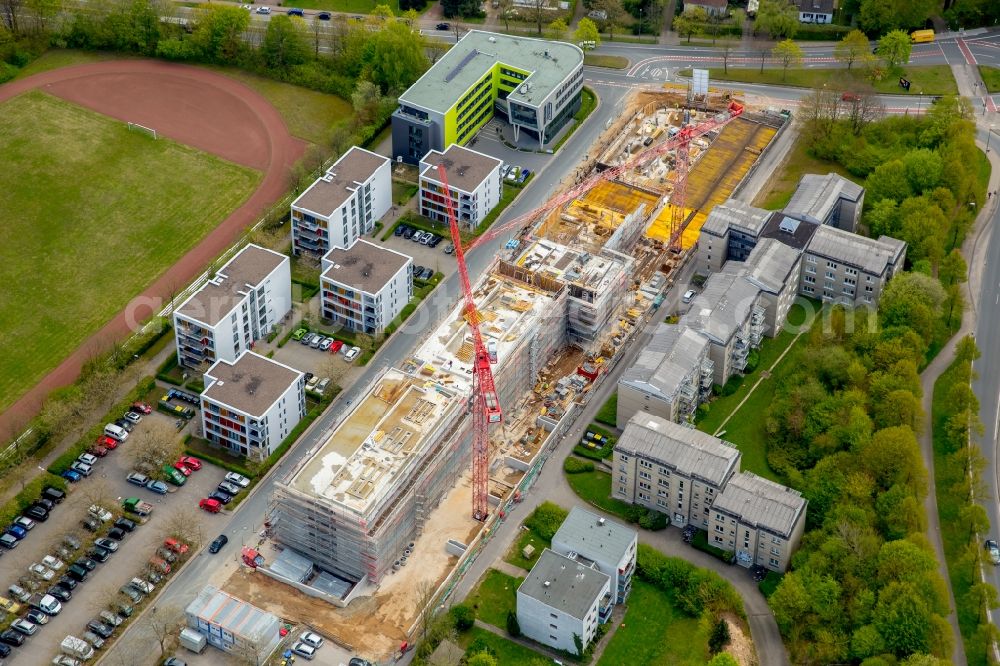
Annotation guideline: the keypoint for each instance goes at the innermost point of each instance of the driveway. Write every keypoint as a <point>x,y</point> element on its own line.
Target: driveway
<point>90,596</point>
<point>431,257</point>
<point>488,142</point>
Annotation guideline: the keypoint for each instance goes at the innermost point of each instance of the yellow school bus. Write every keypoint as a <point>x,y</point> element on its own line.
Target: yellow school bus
<point>922,36</point>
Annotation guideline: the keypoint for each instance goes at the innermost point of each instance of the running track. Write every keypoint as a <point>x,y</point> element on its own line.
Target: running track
<point>192,106</point>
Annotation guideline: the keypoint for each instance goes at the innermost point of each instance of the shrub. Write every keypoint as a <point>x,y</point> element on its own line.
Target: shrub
<point>691,589</point>
<point>32,491</point>
<point>700,541</point>
<point>600,453</point>
<point>653,520</point>
<point>546,519</point>
<point>513,626</point>
<point>730,387</point>
<point>753,360</point>
<point>719,637</point>
<point>576,466</point>
<point>464,617</point>
<point>162,372</point>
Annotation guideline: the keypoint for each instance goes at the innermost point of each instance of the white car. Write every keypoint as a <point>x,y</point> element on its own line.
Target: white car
<point>238,479</point>
<point>304,651</point>
<point>25,522</point>
<point>513,173</point>
<point>52,562</point>
<point>352,354</point>
<point>65,660</point>
<point>42,572</point>
<point>688,296</point>
<point>311,639</point>
<point>311,384</point>
<point>263,10</point>
<point>100,513</point>
<point>143,586</point>
<point>133,417</point>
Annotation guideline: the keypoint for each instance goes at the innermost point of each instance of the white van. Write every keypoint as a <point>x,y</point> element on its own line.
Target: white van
<point>116,432</point>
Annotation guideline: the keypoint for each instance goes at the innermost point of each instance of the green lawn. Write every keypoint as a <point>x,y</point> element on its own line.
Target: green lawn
<point>527,537</point>
<point>930,79</point>
<point>402,192</point>
<point>495,595</point>
<point>611,62</point>
<point>608,413</point>
<point>991,77</point>
<point>309,114</point>
<point>798,163</point>
<point>654,632</point>
<point>746,428</point>
<point>595,487</point>
<point>56,58</point>
<point>507,653</point>
<point>588,103</point>
<point>92,214</point>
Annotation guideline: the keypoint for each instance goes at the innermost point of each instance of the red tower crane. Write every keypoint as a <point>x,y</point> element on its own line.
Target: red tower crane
<point>485,403</point>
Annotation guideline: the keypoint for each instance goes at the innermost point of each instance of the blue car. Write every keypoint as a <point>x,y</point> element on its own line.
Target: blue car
<point>17,532</point>
<point>71,475</point>
<point>295,12</point>
<point>524,175</point>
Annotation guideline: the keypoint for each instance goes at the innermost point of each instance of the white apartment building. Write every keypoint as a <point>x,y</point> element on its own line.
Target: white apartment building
<point>562,598</point>
<point>236,307</point>
<point>343,204</point>
<point>474,185</point>
<point>365,286</point>
<point>250,405</point>
<point>760,520</point>
<point>672,468</point>
<point>608,545</point>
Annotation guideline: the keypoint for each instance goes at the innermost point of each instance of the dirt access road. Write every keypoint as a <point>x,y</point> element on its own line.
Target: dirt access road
<point>193,106</point>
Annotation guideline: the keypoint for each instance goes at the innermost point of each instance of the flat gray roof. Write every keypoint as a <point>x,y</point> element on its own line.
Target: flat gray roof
<point>466,168</point>
<point>673,353</point>
<point>762,503</point>
<point>816,195</point>
<point>217,298</point>
<point>734,214</point>
<point>364,266</point>
<point>564,584</point>
<point>594,536</point>
<point>689,451</point>
<point>868,254</point>
<point>770,265</point>
<point>724,304</point>
<point>331,190</point>
<point>793,233</point>
<point>477,52</point>
<point>251,384</point>
<point>232,614</point>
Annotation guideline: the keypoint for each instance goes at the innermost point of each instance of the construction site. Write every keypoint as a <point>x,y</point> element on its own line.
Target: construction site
<point>383,504</point>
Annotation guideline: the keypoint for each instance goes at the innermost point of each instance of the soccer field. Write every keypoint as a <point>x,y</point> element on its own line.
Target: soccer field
<point>90,214</point>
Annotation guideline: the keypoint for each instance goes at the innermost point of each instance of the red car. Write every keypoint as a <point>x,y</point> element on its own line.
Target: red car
<point>177,546</point>
<point>179,466</point>
<point>851,97</point>
<point>190,463</point>
<point>335,347</point>
<point>142,407</point>
<point>210,505</point>
<point>159,564</point>
<point>110,443</point>
<point>97,450</point>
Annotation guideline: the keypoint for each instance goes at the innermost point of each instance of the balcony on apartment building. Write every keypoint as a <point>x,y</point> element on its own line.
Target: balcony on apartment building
<point>707,374</point>
<point>604,608</point>
<point>756,325</point>
<point>307,223</point>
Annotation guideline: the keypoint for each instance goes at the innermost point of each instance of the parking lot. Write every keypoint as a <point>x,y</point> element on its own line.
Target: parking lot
<point>107,485</point>
<point>434,258</point>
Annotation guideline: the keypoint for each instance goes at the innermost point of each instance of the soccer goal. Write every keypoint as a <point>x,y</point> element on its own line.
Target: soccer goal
<point>142,128</point>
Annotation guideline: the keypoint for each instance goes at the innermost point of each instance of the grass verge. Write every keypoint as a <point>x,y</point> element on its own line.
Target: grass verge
<point>608,413</point>
<point>928,79</point>
<point>142,202</point>
<point>494,597</point>
<point>504,651</point>
<point>595,487</point>
<point>991,77</point>
<point>609,61</point>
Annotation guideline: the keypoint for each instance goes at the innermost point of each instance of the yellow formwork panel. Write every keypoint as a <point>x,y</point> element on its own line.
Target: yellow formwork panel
<point>617,197</point>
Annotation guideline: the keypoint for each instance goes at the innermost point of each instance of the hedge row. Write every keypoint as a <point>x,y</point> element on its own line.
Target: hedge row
<point>162,372</point>
<point>692,589</point>
<point>26,497</point>
<point>576,466</point>
<point>62,463</point>
<point>700,542</point>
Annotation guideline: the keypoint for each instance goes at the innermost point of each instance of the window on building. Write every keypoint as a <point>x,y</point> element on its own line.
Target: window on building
<point>773,562</point>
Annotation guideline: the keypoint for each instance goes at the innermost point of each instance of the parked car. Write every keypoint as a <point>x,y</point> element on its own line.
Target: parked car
<point>180,467</point>
<point>264,10</point>
<point>993,550</point>
<point>8,540</point>
<point>317,341</point>
<point>131,593</point>
<point>68,582</point>
<point>53,563</point>
<point>296,12</point>
<point>325,345</point>
<point>504,170</point>
<point>101,629</point>
<point>513,174</point>
<point>167,555</point>
<point>81,468</point>
<point>237,479</point>
<point>218,543</point>
<point>26,524</point>
<point>104,542</point>
<point>427,273</point>
<point>110,443</point>
<point>142,407</point>
<point>125,524</point>
<point>449,248</point>
<point>524,175</point>
<point>111,619</point>
<point>323,16</point>
<point>77,573</point>
<point>688,296</point>
<point>352,354</point>
<point>54,494</point>
<point>220,497</point>
<point>99,512</point>
<point>61,593</point>
<point>307,339</point>
<point>71,542</point>
<point>311,639</point>
<point>71,475</point>
<point>143,586</point>
<point>305,651</point>
<point>153,577</point>
<point>9,606</point>
<point>19,593</point>
<point>434,242</point>
<point>125,424</point>
<point>41,571</point>
<point>117,534</point>
<point>159,564</point>
<point>400,228</point>
<point>99,554</point>
<point>91,524</point>
<point>417,270</point>
<point>11,637</point>
<point>133,417</point>
<point>336,346</point>
<point>176,545</point>
<point>86,563</point>
<point>408,233</point>
<point>36,513</point>
<point>311,383</point>
<point>428,237</point>
<point>190,462</point>
<point>96,450</point>
<point>36,617</point>
<point>443,26</point>
<point>24,626</point>
<point>323,383</point>
<point>210,505</point>
<point>93,639</point>
<point>299,334</point>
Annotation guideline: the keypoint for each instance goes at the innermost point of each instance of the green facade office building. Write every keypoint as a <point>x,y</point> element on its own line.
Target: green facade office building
<point>534,84</point>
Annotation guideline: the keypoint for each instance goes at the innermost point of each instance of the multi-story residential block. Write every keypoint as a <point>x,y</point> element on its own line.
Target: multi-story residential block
<point>233,625</point>
<point>670,377</point>
<point>774,268</point>
<point>562,598</point>
<point>730,232</point>
<point>251,404</point>
<point>830,199</point>
<point>608,545</point>
<point>343,204</point>
<point>730,312</point>
<point>366,286</point>
<point>474,185</point>
<point>846,268</point>
<point>671,468</point>
<point>762,521</point>
<point>240,304</point>
<point>535,84</point>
